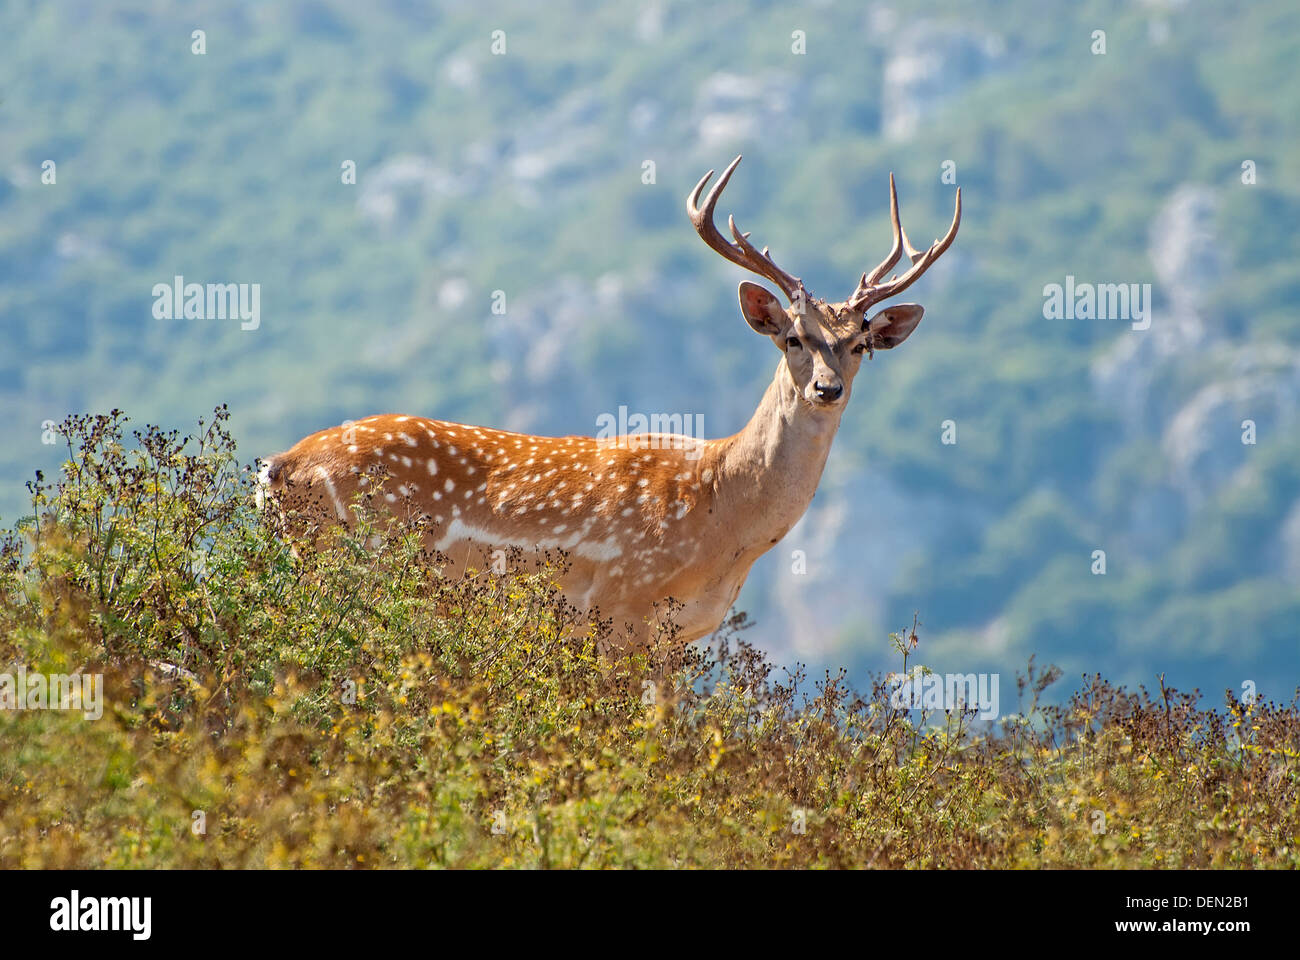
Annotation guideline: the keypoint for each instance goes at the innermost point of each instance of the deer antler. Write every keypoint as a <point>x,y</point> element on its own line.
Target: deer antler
<point>742,252</point>
<point>870,290</point>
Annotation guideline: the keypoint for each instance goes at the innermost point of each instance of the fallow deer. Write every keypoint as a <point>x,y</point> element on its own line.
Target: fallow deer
<point>654,517</point>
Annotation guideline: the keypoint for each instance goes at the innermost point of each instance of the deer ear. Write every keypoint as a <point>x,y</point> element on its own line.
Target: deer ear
<point>894,324</point>
<point>762,310</point>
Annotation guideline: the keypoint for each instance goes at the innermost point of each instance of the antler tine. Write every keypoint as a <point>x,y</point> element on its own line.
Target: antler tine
<point>742,252</point>
<point>870,279</point>
<point>766,266</point>
<point>913,254</point>
<point>870,290</point>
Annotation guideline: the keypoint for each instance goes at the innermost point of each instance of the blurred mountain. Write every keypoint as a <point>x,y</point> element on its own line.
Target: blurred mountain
<point>514,251</point>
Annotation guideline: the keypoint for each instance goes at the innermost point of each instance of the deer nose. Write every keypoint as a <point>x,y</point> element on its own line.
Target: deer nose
<point>828,392</point>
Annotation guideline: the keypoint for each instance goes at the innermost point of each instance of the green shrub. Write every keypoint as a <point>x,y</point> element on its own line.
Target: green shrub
<point>272,700</point>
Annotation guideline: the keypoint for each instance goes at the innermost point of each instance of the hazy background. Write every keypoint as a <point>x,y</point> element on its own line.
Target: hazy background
<point>524,173</point>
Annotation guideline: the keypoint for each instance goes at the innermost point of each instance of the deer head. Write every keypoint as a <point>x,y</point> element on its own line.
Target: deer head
<point>823,343</point>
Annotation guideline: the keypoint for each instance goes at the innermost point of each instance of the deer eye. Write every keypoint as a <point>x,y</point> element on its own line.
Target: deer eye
<point>792,343</point>
<point>860,348</point>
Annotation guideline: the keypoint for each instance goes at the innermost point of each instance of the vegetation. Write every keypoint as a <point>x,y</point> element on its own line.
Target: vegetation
<point>270,702</point>
<point>524,173</point>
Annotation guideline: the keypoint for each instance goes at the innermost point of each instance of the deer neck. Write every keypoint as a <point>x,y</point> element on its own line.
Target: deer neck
<point>767,474</point>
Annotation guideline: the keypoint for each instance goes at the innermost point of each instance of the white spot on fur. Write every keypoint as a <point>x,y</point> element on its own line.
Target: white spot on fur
<point>323,476</point>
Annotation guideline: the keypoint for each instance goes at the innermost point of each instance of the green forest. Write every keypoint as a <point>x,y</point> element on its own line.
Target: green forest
<point>476,212</point>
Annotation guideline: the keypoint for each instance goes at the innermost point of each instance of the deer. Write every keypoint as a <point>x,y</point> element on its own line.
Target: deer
<point>652,519</point>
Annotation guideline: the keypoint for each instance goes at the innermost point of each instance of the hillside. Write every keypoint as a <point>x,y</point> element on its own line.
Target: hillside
<point>523,173</point>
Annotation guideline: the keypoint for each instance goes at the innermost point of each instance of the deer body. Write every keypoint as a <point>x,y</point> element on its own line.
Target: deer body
<point>682,518</point>
<point>646,518</point>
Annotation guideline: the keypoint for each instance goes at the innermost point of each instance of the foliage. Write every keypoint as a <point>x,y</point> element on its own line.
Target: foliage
<point>528,167</point>
<point>486,730</point>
